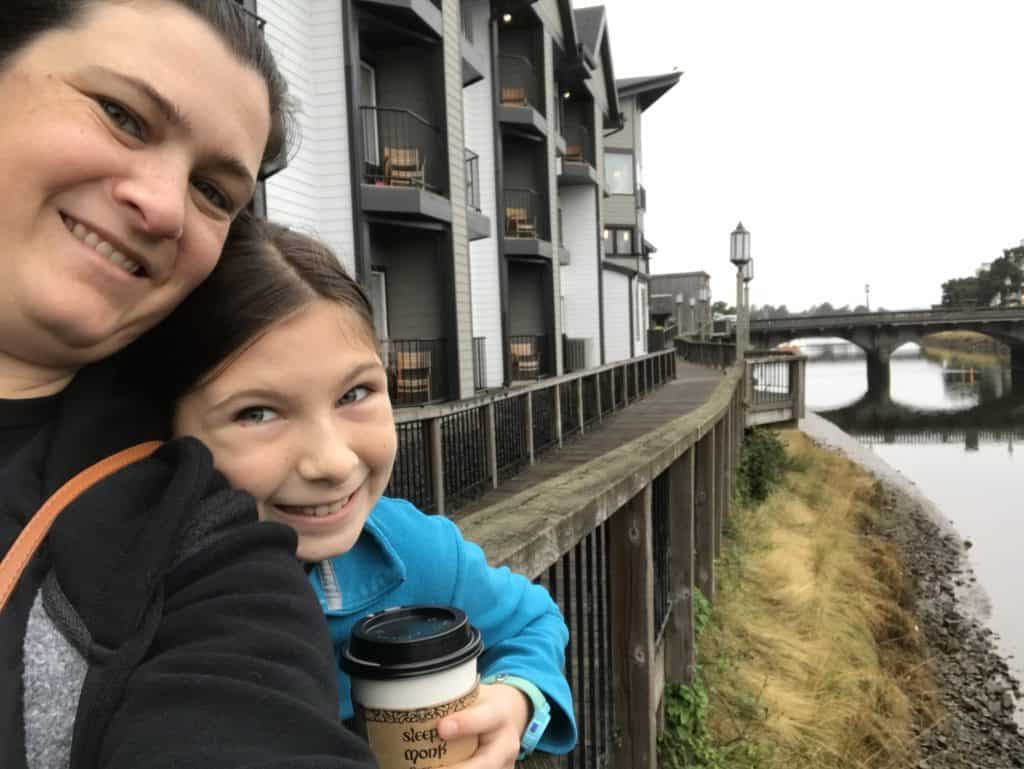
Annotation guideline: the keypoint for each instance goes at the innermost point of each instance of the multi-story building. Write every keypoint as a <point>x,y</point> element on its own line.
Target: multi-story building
<point>453,155</point>
<point>627,253</point>
<point>683,299</point>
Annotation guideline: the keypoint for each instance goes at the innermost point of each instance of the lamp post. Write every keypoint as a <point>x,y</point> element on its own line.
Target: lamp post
<point>692,327</point>
<point>867,296</point>
<point>748,275</point>
<point>678,303</point>
<point>739,255</point>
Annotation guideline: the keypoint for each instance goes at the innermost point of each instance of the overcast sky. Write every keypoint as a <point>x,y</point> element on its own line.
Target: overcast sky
<point>860,142</point>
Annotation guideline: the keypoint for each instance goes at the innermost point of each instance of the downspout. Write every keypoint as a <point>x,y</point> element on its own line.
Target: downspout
<point>360,228</point>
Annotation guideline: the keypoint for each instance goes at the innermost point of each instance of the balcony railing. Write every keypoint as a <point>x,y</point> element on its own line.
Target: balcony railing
<point>417,370</point>
<point>526,214</point>
<point>574,354</point>
<point>520,85</point>
<point>472,180</point>
<point>402,149</point>
<point>579,147</point>
<point>659,338</point>
<point>529,356</point>
<point>479,362</point>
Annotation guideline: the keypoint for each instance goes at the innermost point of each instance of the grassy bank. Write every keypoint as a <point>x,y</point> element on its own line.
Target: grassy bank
<point>809,657</point>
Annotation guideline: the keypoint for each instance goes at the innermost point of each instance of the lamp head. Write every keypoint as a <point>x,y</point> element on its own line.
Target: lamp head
<point>739,246</point>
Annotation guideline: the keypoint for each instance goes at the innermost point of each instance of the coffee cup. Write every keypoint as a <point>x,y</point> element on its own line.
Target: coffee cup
<point>410,666</point>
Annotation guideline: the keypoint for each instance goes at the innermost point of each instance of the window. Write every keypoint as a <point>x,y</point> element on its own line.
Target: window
<point>368,94</point>
<point>618,241</point>
<point>618,173</point>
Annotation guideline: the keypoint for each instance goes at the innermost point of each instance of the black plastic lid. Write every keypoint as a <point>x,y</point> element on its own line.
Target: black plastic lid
<point>410,641</point>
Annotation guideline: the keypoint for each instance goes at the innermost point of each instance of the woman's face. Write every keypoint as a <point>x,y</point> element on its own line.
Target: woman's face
<point>127,144</point>
<point>301,419</point>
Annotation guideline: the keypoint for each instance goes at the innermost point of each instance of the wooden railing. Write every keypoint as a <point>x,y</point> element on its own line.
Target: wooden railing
<point>716,354</point>
<point>449,453</point>
<point>622,542</point>
<point>775,387</point>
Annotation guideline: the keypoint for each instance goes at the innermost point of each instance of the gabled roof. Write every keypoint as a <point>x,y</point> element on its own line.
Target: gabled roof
<point>592,35</point>
<point>647,90</point>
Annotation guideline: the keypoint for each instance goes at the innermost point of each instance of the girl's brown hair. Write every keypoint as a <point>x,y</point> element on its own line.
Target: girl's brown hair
<point>266,273</point>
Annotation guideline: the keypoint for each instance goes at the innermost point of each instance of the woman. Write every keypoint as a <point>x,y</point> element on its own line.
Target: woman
<point>159,625</point>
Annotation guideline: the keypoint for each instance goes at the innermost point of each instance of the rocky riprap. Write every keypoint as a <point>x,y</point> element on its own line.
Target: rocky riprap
<point>977,691</point>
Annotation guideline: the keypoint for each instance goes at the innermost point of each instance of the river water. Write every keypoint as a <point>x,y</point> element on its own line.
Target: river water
<point>952,426</point>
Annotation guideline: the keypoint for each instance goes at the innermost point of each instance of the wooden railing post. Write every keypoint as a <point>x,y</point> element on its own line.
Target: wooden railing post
<point>558,414</point>
<point>680,645</point>
<point>721,449</point>
<point>632,608</point>
<point>492,445</point>
<point>611,373</point>
<point>636,381</point>
<point>704,514</point>
<point>437,464</point>
<point>597,397</point>
<point>529,426</point>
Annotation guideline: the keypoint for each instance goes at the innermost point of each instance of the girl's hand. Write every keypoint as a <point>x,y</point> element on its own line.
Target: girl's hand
<point>499,718</point>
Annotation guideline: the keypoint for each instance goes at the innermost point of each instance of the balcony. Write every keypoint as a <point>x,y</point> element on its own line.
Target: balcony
<point>479,226</point>
<point>417,370</point>
<point>527,231</point>
<point>529,356</point>
<point>522,98</point>
<point>578,164</point>
<point>405,164</point>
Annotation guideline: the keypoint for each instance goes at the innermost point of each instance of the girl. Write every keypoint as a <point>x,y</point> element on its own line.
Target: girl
<point>283,381</point>
<point>160,624</point>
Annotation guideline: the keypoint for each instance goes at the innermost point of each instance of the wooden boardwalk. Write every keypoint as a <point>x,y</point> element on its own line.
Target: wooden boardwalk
<point>690,390</point>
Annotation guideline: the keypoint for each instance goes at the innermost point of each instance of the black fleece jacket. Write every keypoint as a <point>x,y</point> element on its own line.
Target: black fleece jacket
<point>160,625</point>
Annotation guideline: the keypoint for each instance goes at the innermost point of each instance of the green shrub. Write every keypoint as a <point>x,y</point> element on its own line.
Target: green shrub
<point>762,466</point>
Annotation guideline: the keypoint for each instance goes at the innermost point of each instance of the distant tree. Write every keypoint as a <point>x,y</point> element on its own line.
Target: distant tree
<point>721,308</point>
<point>861,308</point>
<point>959,291</point>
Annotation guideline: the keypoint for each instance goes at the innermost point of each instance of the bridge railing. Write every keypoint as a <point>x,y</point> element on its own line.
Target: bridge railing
<point>979,314</point>
<point>622,542</point>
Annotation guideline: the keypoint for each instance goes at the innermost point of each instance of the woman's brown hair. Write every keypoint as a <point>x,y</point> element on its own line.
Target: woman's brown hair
<point>266,273</point>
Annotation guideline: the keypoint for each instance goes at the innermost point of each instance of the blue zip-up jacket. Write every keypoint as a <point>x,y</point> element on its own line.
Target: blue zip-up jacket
<point>406,557</point>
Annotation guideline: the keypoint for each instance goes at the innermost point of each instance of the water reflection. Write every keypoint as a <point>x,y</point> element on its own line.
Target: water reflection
<point>952,425</point>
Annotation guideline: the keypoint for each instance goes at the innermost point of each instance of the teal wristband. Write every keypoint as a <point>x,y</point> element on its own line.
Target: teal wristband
<point>539,719</point>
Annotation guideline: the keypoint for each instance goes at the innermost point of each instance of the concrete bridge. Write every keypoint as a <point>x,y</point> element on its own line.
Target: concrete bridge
<point>881,333</point>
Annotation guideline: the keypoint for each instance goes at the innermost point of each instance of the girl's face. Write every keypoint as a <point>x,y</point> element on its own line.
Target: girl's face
<point>127,144</point>
<point>301,419</point>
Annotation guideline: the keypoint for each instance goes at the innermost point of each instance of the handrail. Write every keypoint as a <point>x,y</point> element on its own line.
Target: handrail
<point>404,111</point>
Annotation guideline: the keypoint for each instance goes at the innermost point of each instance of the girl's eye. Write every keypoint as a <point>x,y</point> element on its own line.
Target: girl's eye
<point>122,118</point>
<point>256,415</point>
<point>355,394</point>
<point>211,193</point>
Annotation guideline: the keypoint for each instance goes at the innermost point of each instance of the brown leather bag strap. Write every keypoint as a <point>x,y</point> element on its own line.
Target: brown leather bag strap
<point>35,530</point>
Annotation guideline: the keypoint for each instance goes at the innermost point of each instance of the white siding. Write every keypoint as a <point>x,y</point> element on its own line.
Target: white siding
<point>579,277</point>
<point>616,316</point>
<point>314,192</point>
<point>478,118</point>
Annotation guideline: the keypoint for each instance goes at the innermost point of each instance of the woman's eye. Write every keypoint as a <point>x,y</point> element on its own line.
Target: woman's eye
<point>213,194</point>
<point>122,118</point>
<point>355,394</point>
<point>256,415</point>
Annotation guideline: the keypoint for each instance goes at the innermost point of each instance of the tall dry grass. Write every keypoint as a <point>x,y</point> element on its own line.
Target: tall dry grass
<point>812,659</point>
